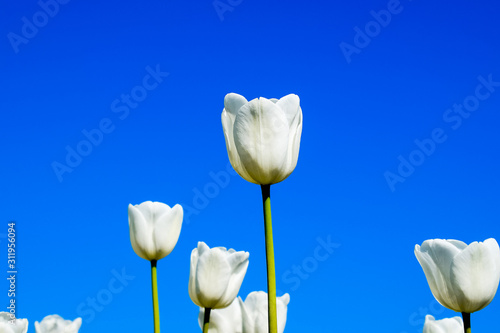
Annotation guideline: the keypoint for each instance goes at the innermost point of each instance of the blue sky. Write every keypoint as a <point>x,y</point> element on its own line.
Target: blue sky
<point>400,142</point>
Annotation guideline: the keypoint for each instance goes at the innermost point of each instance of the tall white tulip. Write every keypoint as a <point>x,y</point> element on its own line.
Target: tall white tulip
<point>9,324</point>
<point>447,325</point>
<point>56,324</point>
<point>462,277</point>
<point>262,136</point>
<point>255,314</point>
<point>154,229</point>
<point>226,320</point>
<point>216,275</point>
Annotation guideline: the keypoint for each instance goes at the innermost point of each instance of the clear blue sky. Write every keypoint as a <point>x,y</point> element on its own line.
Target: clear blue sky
<point>401,105</point>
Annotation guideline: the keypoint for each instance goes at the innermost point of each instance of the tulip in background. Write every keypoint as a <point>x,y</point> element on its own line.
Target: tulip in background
<point>462,277</point>
<point>263,141</point>
<point>154,231</point>
<point>447,325</point>
<point>56,324</point>
<point>226,320</point>
<point>7,325</point>
<point>254,312</point>
<point>215,277</point>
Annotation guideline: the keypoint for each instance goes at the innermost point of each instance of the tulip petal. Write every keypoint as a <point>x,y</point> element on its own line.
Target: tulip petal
<point>213,273</point>
<point>192,276</point>
<point>238,261</point>
<point>261,139</point>
<point>141,233</point>
<point>167,231</point>
<point>475,274</point>
<point>435,257</point>
<point>290,105</point>
<point>294,143</point>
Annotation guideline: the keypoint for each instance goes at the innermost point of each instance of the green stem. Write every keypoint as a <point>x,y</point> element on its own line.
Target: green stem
<point>154,285</point>
<point>466,319</point>
<point>271,275</point>
<point>206,320</point>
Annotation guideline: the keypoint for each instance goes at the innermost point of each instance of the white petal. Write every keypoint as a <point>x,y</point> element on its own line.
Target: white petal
<point>238,262</point>
<point>141,233</point>
<point>212,277</point>
<point>192,276</point>
<point>290,106</point>
<point>475,275</point>
<point>167,231</point>
<point>261,138</point>
<point>233,102</point>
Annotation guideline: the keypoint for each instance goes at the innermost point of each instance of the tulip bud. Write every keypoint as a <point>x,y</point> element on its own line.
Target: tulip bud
<point>56,324</point>
<point>255,314</point>
<point>447,325</point>
<point>226,320</point>
<point>262,136</point>
<point>9,324</point>
<point>154,229</point>
<point>462,277</point>
<point>216,275</point>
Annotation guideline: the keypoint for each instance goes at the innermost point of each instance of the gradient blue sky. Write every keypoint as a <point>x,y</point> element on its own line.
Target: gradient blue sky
<point>373,96</point>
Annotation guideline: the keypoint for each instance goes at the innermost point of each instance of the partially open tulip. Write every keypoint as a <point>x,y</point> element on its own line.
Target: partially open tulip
<point>226,320</point>
<point>462,277</point>
<point>255,314</point>
<point>9,324</point>
<point>216,275</point>
<point>262,136</point>
<point>154,229</point>
<point>56,324</point>
<point>447,325</point>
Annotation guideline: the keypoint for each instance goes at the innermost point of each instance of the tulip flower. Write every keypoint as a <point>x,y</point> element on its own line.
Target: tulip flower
<point>255,313</point>
<point>262,136</point>
<point>56,324</point>
<point>462,277</point>
<point>9,324</point>
<point>226,320</point>
<point>447,325</point>
<point>215,277</point>
<point>154,231</point>
<point>263,141</point>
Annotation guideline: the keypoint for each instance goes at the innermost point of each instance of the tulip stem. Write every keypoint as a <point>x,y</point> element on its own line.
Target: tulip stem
<point>206,320</point>
<point>271,275</point>
<point>154,285</point>
<point>466,318</point>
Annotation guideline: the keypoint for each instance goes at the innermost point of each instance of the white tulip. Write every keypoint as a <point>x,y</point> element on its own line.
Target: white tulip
<point>154,229</point>
<point>262,136</point>
<point>216,275</point>
<point>226,320</point>
<point>56,324</point>
<point>462,277</point>
<point>447,325</point>
<point>255,312</point>
<point>9,324</point>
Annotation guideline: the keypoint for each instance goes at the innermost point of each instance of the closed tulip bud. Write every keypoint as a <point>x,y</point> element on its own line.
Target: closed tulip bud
<point>9,324</point>
<point>56,324</point>
<point>255,314</point>
<point>226,320</point>
<point>154,229</point>
<point>216,275</point>
<point>462,277</point>
<point>447,325</point>
<point>262,136</point>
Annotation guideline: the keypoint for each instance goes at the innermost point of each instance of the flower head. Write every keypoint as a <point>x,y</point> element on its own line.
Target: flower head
<point>462,277</point>
<point>56,324</point>
<point>262,136</point>
<point>216,275</point>
<point>255,312</point>
<point>154,229</point>
<point>9,324</point>
<point>447,325</point>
